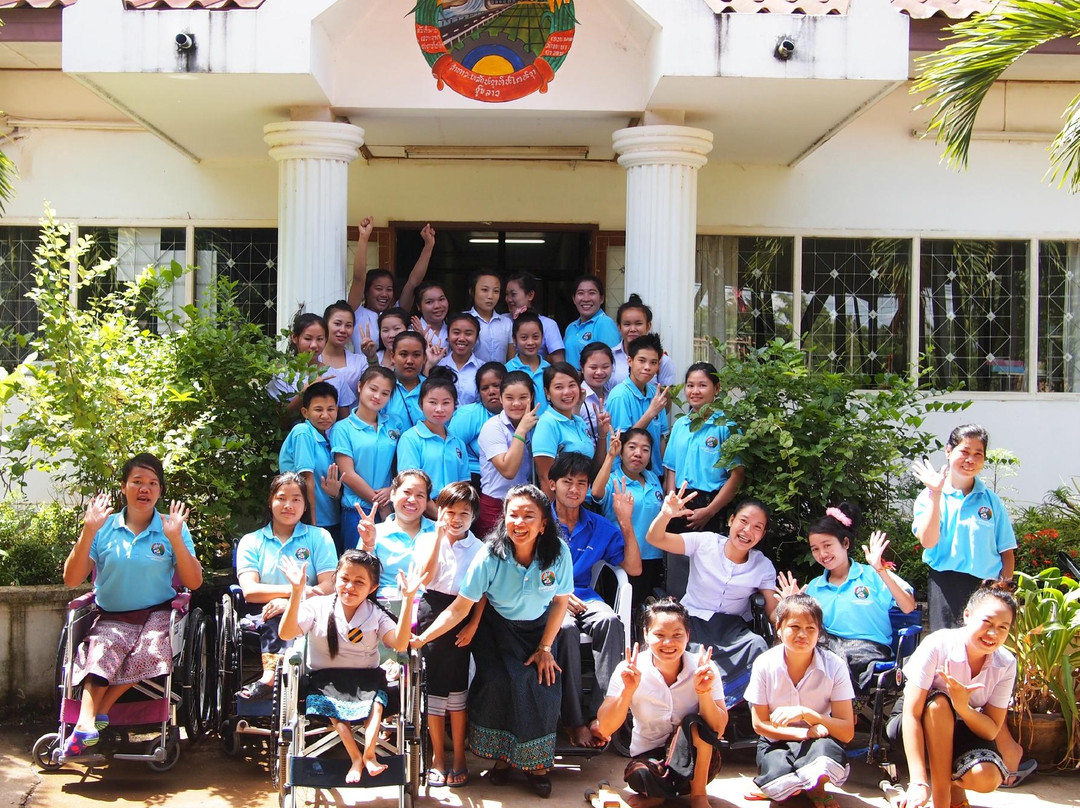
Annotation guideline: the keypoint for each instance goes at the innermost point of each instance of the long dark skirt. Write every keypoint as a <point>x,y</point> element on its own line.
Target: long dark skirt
<point>667,771</point>
<point>861,657</point>
<point>512,717</point>
<point>947,594</point>
<point>717,524</point>
<point>735,646</point>
<point>447,665</point>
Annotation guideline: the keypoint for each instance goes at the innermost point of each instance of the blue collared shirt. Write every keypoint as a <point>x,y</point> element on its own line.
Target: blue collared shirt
<point>593,539</point>
<point>514,591</point>
<point>975,531</point>
<point>394,548</point>
<point>404,405</point>
<point>598,328</point>
<point>626,405</point>
<point>261,552</point>
<point>444,461</point>
<point>648,497</point>
<point>133,572</point>
<point>466,424</point>
<point>693,455</point>
<point>554,434</point>
<point>307,449</point>
<point>371,449</point>
<point>857,609</point>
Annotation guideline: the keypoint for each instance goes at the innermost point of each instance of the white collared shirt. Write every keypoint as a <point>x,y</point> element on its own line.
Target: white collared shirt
<point>373,624</point>
<point>454,558</point>
<point>658,708</point>
<point>825,681</point>
<point>718,584</point>
<point>947,650</point>
<point>494,336</point>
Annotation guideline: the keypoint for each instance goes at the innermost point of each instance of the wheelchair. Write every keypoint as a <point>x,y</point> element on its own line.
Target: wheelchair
<point>144,725</point>
<point>301,757</point>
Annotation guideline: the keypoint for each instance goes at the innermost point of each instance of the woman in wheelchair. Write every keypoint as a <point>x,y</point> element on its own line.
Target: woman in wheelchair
<point>855,598</point>
<point>134,556</point>
<point>258,569</point>
<point>959,684</point>
<point>346,683</point>
<point>724,572</point>
<point>526,572</point>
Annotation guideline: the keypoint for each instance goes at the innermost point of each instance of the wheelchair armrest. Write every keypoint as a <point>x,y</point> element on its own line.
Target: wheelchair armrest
<point>181,602</point>
<point>297,654</point>
<point>623,592</point>
<point>81,602</point>
<point>759,617</point>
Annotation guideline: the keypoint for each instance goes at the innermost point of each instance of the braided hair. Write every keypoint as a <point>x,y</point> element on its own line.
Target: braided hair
<point>371,563</point>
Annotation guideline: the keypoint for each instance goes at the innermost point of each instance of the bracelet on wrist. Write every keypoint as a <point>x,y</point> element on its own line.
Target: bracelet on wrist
<point>545,648</point>
<point>518,437</point>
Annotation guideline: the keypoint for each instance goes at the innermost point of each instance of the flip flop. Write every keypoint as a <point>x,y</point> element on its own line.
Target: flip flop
<point>457,778</point>
<point>1026,769</point>
<point>822,800</point>
<point>756,796</point>
<point>436,778</point>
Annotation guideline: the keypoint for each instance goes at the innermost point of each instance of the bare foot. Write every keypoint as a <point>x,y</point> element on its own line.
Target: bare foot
<point>699,801</point>
<point>353,775</point>
<point>641,801</point>
<point>581,736</point>
<point>373,767</point>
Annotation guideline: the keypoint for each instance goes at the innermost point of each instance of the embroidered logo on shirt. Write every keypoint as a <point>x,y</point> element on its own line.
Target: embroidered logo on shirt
<point>861,593</point>
<point>458,453</point>
<point>157,548</point>
<point>394,434</point>
<point>356,634</point>
<point>711,443</point>
<point>547,578</point>
<point>587,336</point>
<point>303,554</point>
<point>659,496</point>
<point>986,513</point>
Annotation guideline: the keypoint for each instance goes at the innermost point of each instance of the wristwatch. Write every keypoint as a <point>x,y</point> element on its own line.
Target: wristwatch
<point>545,648</point>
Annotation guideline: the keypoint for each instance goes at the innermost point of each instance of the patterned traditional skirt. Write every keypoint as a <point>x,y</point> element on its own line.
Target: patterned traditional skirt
<point>512,717</point>
<point>347,694</point>
<point>122,650</point>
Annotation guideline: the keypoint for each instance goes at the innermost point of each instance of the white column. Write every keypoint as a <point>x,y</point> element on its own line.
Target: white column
<point>661,165</point>
<point>313,163</point>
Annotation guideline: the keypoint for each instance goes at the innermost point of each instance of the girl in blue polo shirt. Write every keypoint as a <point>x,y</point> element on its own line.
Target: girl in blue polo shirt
<point>855,598</point>
<point>528,337</point>
<point>470,419</point>
<point>691,455</point>
<point>364,446</point>
<point>392,541</point>
<point>593,323</point>
<point>625,470</point>
<point>636,401</point>
<point>428,445</point>
<point>521,289</point>
<point>560,428</point>
<point>410,353</point>
<point>289,533</point>
<point>134,555</point>
<point>962,525</point>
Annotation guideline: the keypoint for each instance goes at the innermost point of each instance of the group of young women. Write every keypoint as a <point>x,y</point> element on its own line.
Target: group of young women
<point>424,455</point>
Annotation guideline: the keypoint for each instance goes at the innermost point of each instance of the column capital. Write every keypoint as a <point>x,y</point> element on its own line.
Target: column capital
<point>291,140</point>
<point>662,145</point>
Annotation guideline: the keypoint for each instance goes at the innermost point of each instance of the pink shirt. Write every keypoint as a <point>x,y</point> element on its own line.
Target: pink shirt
<point>825,681</point>
<point>947,650</point>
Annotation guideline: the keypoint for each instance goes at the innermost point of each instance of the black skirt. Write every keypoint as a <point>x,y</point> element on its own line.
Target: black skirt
<point>446,665</point>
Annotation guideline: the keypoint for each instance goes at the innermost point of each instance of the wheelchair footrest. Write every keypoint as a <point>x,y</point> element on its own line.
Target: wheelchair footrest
<point>317,772</point>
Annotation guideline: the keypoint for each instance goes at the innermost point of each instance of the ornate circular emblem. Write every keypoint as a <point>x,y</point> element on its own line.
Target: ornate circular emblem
<point>547,577</point>
<point>711,443</point>
<point>302,554</point>
<point>157,548</point>
<point>861,592</point>
<point>494,50</point>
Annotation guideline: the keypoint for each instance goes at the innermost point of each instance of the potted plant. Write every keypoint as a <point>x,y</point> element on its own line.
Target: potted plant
<point>1046,641</point>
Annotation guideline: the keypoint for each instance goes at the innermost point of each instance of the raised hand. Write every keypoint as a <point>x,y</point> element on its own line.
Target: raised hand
<point>295,574</point>
<point>529,419</point>
<point>959,693</point>
<point>659,401</point>
<point>932,478</point>
<point>622,501</point>
<point>172,524</point>
<point>873,552</point>
<point>631,676</point>
<point>368,347</point>
<point>704,674</point>
<point>98,510</point>
<point>786,585</point>
<point>408,584</point>
<point>427,233</point>
<point>603,421</point>
<point>331,481</point>
<point>615,445</point>
<point>675,503</point>
<point>366,528</point>
<point>367,224</point>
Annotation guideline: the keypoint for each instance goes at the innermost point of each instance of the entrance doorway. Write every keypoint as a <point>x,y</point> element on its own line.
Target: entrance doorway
<point>555,256</point>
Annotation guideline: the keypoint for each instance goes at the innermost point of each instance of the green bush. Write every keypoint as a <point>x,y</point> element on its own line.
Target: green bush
<point>811,437</point>
<point>34,541</point>
<point>1041,533</point>
<point>123,374</point>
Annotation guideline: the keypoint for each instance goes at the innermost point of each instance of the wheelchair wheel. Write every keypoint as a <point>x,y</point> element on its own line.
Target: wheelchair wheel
<point>172,752</point>
<point>230,739</point>
<point>58,670</point>
<point>298,797</point>
<point>278,750</point>
<point>197,706</point>
<point>228,661</point>
<point>42,752</point>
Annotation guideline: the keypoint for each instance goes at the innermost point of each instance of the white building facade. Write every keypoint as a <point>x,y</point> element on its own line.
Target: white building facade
<point>664,144</point>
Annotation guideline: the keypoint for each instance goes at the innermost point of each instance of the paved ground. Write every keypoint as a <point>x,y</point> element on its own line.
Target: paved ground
<point>206,778</point>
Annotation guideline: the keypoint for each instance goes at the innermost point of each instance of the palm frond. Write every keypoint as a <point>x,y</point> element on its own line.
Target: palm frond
<point>957,78</point>
<point>8,173</point>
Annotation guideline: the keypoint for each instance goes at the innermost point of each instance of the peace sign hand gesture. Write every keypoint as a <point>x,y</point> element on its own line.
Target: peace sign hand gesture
<point>367,345</point>
<point>675,503</point>
<point>787,585</point>
<point>630,674</point>
<point>603,421</point>
<point>659,401</point>
<point>529,420</point>
<point>615,446</point>
<point>873,552</point>
<point>932,478</point>
<point>366,528</point>
<point>705,673</point>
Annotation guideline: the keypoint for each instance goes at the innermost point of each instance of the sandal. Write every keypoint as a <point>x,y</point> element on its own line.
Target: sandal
<point>756,796</point>
<point>822,799</point>
<point>255,691</point>
<point>539,783</point>
<point>457,778</point>
<point>1022,773</point>
<point>498,775</point>
<point>436,778</point>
